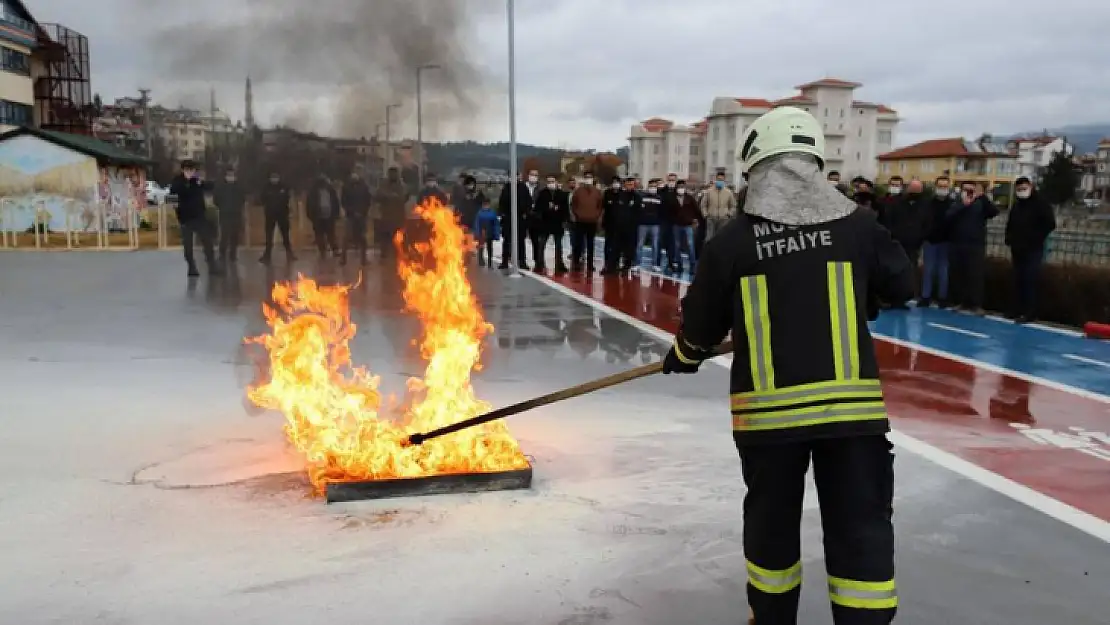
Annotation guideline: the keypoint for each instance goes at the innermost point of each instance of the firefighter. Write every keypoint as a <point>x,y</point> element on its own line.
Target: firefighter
<point>803,268</point>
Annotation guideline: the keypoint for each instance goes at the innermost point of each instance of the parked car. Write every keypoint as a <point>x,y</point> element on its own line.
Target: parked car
<point>155,194</point>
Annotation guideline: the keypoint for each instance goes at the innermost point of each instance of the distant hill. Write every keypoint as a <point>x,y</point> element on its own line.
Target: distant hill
<point>447,157</point>
<point>1084,137</point>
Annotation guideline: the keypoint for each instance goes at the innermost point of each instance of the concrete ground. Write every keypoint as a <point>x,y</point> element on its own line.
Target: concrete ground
<point>136,488</point>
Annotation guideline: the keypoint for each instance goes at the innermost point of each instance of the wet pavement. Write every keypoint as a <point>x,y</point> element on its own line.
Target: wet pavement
<point>137,488</point>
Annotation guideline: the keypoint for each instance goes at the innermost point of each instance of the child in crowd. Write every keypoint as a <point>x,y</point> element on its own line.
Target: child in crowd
<point>487,229</point>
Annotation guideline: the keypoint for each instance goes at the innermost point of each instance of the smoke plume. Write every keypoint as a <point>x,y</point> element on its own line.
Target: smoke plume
<point>328,65</point>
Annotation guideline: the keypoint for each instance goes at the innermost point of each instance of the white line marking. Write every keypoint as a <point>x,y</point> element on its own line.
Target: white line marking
<point>1040,326</point>
<point>941,326</point>
<point>1059,386</point>
<point>1089,361</point>
<point>1080,520</point>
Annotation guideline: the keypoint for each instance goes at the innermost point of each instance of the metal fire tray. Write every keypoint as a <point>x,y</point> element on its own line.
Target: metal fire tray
<point>447,484</point>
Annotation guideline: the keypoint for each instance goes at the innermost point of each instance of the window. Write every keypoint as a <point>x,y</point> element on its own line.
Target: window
<point>902,167</point>
<point>655,149</point>
<point>732,132</point>
<point>859,131</point>
<point>197,133</point>
<point>886,168</point>
<point>716,132</point>
<point>15,62</point>
<point>714,160</point>
<point>861,111</point>
<point>826,111</point>
<point>840,126</point>
<point>838,151</point>
<point>858,156</point>
<point>1101,167</point>
<point>15,114</point>
<point>884,137</point>
<point>841,113</point>
<point>10,16</point>
<point>694,150</point>
<point>729,157</point>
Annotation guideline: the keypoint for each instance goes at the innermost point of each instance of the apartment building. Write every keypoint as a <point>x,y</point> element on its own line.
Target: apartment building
<point>856,131</point>
<point>1035,153</point>
<point>980,161</point>
<point>18,37</point>
<point>658,147</point>
<point>188,133</point>
<point>1102,170</point>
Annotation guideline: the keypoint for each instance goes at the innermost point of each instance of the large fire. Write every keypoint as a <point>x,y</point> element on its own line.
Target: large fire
<point>332,407</point>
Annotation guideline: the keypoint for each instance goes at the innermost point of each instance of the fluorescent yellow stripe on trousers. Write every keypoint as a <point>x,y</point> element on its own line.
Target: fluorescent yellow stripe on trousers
<point>850,593</point>
<point>774,582</point>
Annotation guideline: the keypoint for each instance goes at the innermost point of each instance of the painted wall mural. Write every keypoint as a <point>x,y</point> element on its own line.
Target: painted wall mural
<point>64,188</point>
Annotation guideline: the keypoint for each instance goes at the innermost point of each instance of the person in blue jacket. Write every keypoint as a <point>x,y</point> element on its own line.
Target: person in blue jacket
<point>487,229</point>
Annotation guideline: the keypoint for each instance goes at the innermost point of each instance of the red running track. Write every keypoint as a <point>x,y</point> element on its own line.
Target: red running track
<point>964,410</point>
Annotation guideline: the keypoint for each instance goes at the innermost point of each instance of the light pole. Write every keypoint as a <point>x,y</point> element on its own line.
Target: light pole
<point>388,127</point>
<point>420,114</point>
<point>514,199</point>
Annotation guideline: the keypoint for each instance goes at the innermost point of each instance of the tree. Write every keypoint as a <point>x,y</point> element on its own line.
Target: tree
<point>98,104</point>
<point>1059,181</point>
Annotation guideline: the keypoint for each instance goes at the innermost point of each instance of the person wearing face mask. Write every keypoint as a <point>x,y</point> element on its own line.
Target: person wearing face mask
<point>907,218</point>
<point>551,215</point>
<point>718,205</point>
<point>623,215</point>
<point>355,198</point>
<point>687,216</point>
<point>468,202</point>
<point>893,195</point>
<point>647,224</point>
<point>230,198</point>
<point>568,192</point>
<point>587,211</point>
<point>1030,222</point>
<point>667,240</point>
<point>609,225</point>
<point>935,271</point>
<point>322,206</point>
<point>275,198</point>
<point>192,216</point>
<point>966,221</point>
<point>527,188</point>
<point>834,179</point>
<point>392,197</point>
<point>864,195</point>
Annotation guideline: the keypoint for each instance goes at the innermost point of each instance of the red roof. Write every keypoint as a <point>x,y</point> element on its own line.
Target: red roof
<point>1104,141</point>
<point>830,82</point>
<point>700,127</point>
<point>754,103</point>
<point>886,109</point>
<point>656,124</point>
<point>933,148</point>
<point>794,99</point>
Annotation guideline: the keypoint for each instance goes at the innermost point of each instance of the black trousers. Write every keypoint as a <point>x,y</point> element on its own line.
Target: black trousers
<point>607,252</point>
<point>201,229</point>
<point>582,243</point>
<point>967,264</point>
<point>1027,270</point>
<point>540,236</point>
<point>666,245</point>
<point>913,252</point>
<point>621,247</point>
<point>699,237</point>
<point>855,488</point>
<point>279,222</point>
<point>520,238</point>
<point>356,235</point>
<point>487,247</point>
<point>231,231</point>
<point>324,229</point>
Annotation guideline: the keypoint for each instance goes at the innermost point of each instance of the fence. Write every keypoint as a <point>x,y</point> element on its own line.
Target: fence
<point>1076,245</point>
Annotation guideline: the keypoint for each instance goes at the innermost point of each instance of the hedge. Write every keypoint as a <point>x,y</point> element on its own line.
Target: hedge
<point>1067,294</point>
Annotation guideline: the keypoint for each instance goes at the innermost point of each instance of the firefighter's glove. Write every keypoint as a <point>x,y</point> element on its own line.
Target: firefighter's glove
<point>676,362</point>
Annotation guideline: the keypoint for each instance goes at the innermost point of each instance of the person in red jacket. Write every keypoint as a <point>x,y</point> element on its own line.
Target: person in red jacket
<point>687,217</point>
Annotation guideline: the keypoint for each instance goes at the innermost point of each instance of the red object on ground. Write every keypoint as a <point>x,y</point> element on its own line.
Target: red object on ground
<point>1097,330</point>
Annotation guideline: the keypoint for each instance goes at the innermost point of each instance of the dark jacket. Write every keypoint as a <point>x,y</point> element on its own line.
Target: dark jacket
<point>356,199</point>
<point>190,198</point>
<point>938,225</point>
<point>967,225</point>
<point>669,198</point>
<point>467,205</point>
<point>794,300</point>
<point>687,211</point>
<point>392,197</point>
<point>432,192</point>
<point>552,211</point>
<point>229,198</point>
<point>275,199</point>
<point>525,199</point>
<point>907,217</point>
<point>626,209</point>
<point>1030,222</point>
<point>609,205</point>
<point>316,209</point>
<point>651,209</point>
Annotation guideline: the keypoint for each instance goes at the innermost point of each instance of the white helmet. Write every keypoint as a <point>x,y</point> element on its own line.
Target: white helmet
<point>783,130</point>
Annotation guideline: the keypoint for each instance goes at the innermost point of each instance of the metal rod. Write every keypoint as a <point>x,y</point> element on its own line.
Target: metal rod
<point>514,199</point>
<point>419,124</point>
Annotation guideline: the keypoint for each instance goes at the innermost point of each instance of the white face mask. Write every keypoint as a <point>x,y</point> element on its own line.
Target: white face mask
<point>617,185</point>
<point>651,190</point>
<point>895,190</point>
<point>588,181</point>
<point>943,192</point>
<point>533,179</point>
<point>552,185</point>
<point>670,184</point>
<point>834,182</point>
<point>680,191</point>
<point>1024,195</point>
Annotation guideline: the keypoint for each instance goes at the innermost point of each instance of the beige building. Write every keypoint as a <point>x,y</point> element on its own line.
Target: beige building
<point>18,35</point>
<point>658,147</point>
<point>187,133</point>
<point>856,132</point>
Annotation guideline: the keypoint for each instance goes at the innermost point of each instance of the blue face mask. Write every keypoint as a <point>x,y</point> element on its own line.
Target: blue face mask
<point>720,184</point>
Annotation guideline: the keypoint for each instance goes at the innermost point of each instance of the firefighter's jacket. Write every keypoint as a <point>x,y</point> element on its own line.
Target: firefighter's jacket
<point>795,299</point>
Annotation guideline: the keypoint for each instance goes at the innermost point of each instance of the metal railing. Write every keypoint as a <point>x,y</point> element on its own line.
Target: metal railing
<point>1080,246</point>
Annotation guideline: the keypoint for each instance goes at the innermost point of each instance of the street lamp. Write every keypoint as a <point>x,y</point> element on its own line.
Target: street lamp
<point>420,114</point>
<point>388,128</point>
<point>514,199</point>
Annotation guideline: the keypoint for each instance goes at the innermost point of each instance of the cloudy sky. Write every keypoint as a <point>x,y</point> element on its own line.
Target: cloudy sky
<point>588,69</point>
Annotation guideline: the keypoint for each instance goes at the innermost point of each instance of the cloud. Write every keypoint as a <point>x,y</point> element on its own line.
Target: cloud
<point>586,70</point>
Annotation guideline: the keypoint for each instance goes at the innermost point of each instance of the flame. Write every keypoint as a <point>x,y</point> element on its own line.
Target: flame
<point>332,407</point>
